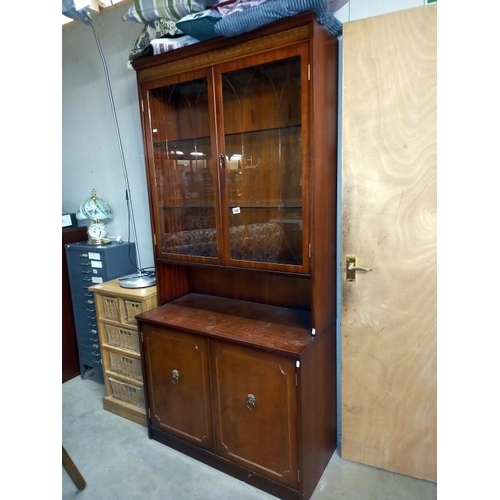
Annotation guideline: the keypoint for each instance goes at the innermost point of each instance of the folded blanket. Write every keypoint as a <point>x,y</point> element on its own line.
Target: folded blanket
<point>272,10</point>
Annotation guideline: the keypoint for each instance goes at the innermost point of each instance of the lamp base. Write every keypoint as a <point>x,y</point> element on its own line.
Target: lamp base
<point>137,280</point>
<point>98,241</point>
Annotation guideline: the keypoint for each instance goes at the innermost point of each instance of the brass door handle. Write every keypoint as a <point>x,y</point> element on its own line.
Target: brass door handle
<point>351,268</point>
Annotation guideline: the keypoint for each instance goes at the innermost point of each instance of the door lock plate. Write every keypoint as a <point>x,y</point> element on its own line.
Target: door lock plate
<point>350,262</point>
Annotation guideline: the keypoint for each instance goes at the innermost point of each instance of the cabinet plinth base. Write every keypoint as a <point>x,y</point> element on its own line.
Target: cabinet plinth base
<point>125,410</point>
<point>208,458</point>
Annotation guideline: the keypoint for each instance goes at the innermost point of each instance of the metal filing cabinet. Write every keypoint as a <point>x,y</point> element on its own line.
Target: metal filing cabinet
<point>90,265</point>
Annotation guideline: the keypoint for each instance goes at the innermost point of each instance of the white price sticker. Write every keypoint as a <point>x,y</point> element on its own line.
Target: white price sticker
<point>236,210</point>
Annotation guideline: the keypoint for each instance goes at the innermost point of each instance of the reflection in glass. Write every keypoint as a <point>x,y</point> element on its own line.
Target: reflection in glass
<point>263,146</point>
<point>184,176</point>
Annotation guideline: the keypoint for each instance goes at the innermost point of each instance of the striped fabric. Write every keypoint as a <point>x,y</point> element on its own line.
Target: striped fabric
<point>145,11</point>
<point>272,10</point>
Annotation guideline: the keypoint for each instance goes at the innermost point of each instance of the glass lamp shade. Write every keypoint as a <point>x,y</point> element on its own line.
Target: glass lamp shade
<point>97,210</point>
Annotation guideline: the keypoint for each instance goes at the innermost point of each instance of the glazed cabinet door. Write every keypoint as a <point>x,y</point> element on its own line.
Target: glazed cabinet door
<point>228,150</point>
<point>263,139</point>
<point>178,383</point>
<point>179,133</point>
<point>255,410</point>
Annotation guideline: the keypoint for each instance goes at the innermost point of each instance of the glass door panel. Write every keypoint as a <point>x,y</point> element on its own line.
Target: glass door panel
<point>263,160</point>
<point>183,167</point>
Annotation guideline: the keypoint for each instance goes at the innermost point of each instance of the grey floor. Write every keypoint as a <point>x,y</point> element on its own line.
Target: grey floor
<point>119,462</point>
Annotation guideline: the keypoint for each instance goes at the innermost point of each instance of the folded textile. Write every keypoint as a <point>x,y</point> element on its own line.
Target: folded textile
<point>232,6</point>
<point>272,10</point>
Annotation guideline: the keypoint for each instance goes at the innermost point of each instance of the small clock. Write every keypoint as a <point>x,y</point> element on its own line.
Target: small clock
<point>97,233</point>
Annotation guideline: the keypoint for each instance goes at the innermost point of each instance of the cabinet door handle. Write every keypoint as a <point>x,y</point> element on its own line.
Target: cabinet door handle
<point>251,402</point>
<point>175,377</point>
<point>221,161</point>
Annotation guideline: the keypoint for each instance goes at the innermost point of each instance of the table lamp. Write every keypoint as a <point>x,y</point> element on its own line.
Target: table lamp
<point>97,210</point>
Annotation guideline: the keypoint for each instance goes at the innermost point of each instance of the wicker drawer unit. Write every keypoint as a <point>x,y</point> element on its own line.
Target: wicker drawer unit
<point>117,308</point>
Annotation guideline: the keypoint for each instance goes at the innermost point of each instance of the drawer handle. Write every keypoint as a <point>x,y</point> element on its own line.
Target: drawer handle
<point>175,377</point>
<point>251,402</point>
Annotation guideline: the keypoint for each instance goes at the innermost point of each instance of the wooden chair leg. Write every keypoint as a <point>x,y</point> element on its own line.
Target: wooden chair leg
<point>72,470</point>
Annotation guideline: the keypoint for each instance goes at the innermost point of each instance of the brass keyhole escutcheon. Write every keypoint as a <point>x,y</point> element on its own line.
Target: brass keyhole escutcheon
<point>251,402</point>
<point>175,377</point>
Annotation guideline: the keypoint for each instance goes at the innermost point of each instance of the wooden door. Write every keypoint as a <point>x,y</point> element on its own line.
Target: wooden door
<point>255,410</point>
<point>389,215</point>
<point>178,384</point>
<point>265,192</point>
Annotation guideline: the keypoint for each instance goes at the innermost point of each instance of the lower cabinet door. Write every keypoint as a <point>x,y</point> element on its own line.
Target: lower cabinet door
<point>255,410</point>
<point>178,384</point>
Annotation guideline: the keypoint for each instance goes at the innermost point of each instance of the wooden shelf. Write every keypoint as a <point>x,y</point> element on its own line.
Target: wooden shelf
<point>282,330</point>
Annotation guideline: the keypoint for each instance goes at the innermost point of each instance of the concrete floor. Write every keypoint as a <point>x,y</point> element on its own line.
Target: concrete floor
<point>119,462</point>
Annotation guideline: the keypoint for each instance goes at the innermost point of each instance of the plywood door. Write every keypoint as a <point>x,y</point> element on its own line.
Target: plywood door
<point>389,222</point>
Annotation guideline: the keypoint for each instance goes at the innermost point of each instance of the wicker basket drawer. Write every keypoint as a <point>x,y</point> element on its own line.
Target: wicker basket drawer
<point>122,337</point>
<point>132,309</point>
<point>110,308</point>
<point>129,393</point>
<point>131,367</point>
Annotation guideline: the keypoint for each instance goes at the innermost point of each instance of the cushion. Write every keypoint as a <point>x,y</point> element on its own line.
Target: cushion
<point>200,25</point>
<point>161,28</point>
<point>267,12</point>
<point>257,241</point>
<point>145,11</point>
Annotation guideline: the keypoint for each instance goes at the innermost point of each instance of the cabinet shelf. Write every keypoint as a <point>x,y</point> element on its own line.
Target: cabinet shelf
<point>278,329</point>
<point>186,141</point>
<point>277,206</point>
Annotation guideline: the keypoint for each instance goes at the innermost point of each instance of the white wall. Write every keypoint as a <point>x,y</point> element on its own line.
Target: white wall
<point>359,9</point>
<point>90,154</point>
